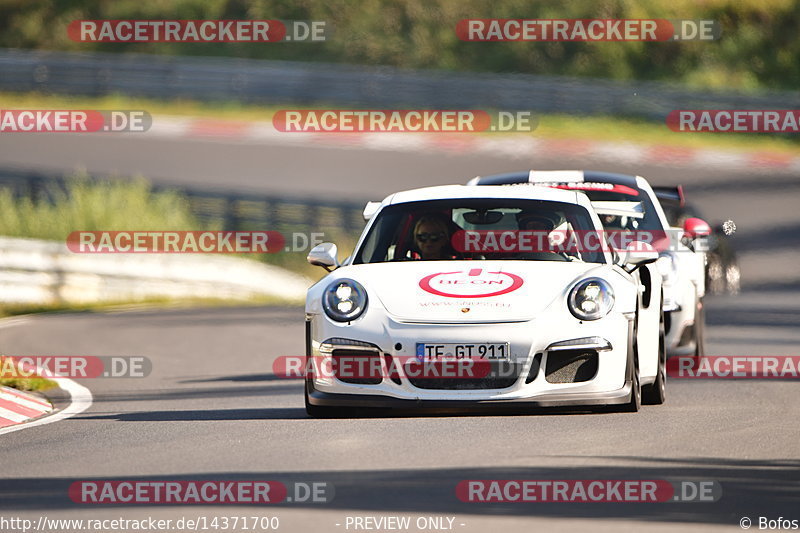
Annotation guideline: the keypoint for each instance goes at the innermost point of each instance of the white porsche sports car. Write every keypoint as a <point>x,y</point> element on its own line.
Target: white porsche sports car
<point>414,318</point>
<point>683,255</point>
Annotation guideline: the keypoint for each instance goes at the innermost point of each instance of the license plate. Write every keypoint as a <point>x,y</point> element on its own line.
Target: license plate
<point>456,352</point>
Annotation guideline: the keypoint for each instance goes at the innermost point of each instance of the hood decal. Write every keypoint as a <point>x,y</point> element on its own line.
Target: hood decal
<point>473,283</point>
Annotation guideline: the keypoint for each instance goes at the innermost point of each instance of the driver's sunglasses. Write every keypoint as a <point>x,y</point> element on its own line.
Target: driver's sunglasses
<point>433,237</point>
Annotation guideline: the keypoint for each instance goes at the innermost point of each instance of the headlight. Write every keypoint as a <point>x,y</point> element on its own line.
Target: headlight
<point>591,299</point>
<point>344,300</point>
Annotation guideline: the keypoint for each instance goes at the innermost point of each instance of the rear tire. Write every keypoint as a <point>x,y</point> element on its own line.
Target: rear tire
<point>656,393</point>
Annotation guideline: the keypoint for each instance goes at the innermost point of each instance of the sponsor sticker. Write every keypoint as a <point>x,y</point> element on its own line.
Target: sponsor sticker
<point>474,283</point>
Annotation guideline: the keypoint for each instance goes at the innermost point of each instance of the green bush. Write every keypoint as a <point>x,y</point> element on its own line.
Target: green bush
<point>31,383</point>
<point>95,206</point>
<point>125,205</point>
<point>758,48</point>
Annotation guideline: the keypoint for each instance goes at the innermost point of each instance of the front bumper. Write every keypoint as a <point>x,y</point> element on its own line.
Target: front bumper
<point>615,397</point>
<point>534,383</point>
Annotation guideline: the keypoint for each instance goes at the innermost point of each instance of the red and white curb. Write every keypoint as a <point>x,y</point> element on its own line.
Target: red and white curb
<point>17,407</point>
<point>80,398</point>
<point>511,146</point>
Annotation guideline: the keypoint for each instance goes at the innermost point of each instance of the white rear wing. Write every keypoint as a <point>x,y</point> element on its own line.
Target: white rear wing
<point>620,209</point>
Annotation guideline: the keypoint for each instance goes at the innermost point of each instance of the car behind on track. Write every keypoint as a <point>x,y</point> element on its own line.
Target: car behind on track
<point>683,265</point>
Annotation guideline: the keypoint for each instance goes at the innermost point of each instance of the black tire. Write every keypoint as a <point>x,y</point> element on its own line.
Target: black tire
<point>656,393</point>
<point>635,401</point>
<point>699,331</point>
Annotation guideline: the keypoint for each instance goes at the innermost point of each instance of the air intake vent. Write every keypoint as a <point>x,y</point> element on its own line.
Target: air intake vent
<point>571,366</point>
<point>357,367</point>
<point>534,371</point>
<point>501,375</point>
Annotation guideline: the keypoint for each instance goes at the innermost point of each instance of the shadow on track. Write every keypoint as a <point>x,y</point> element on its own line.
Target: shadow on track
<point>202,393</point>
<point>749,488</point>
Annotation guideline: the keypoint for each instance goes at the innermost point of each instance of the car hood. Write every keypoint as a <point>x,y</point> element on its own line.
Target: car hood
<point>469,291</point>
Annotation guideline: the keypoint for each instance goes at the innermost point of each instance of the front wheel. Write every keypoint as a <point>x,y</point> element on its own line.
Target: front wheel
<point>635,401</point>
<point>656,393</point>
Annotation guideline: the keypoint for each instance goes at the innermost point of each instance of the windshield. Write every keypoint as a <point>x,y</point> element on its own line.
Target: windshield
<point>600,192</point>
<point>480,229</point>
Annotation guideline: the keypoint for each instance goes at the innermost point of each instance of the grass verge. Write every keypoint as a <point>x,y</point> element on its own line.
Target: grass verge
<point>96,206</point>
<point>31,383</point>
<point>16,309</point>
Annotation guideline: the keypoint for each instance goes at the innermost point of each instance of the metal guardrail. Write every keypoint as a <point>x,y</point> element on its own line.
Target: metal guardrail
<point>46,272</point>
<point>297,83</point>
<point>229,210</point>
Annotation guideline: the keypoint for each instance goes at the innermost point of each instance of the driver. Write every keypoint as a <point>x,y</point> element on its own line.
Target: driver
<point>535,222</point>
<point>541,223</point>
<point>432,238</point>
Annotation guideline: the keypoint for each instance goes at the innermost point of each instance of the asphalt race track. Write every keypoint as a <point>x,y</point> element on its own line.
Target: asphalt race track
<point>213,410</point>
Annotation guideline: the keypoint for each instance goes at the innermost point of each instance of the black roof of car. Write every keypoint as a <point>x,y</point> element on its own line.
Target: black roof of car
<point>510,178</point>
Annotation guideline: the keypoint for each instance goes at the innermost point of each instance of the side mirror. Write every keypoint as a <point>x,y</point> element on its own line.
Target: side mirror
<point>370,209</point>
<point>324,255</point>
<point>637,254</point>
<point>696,227</point>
